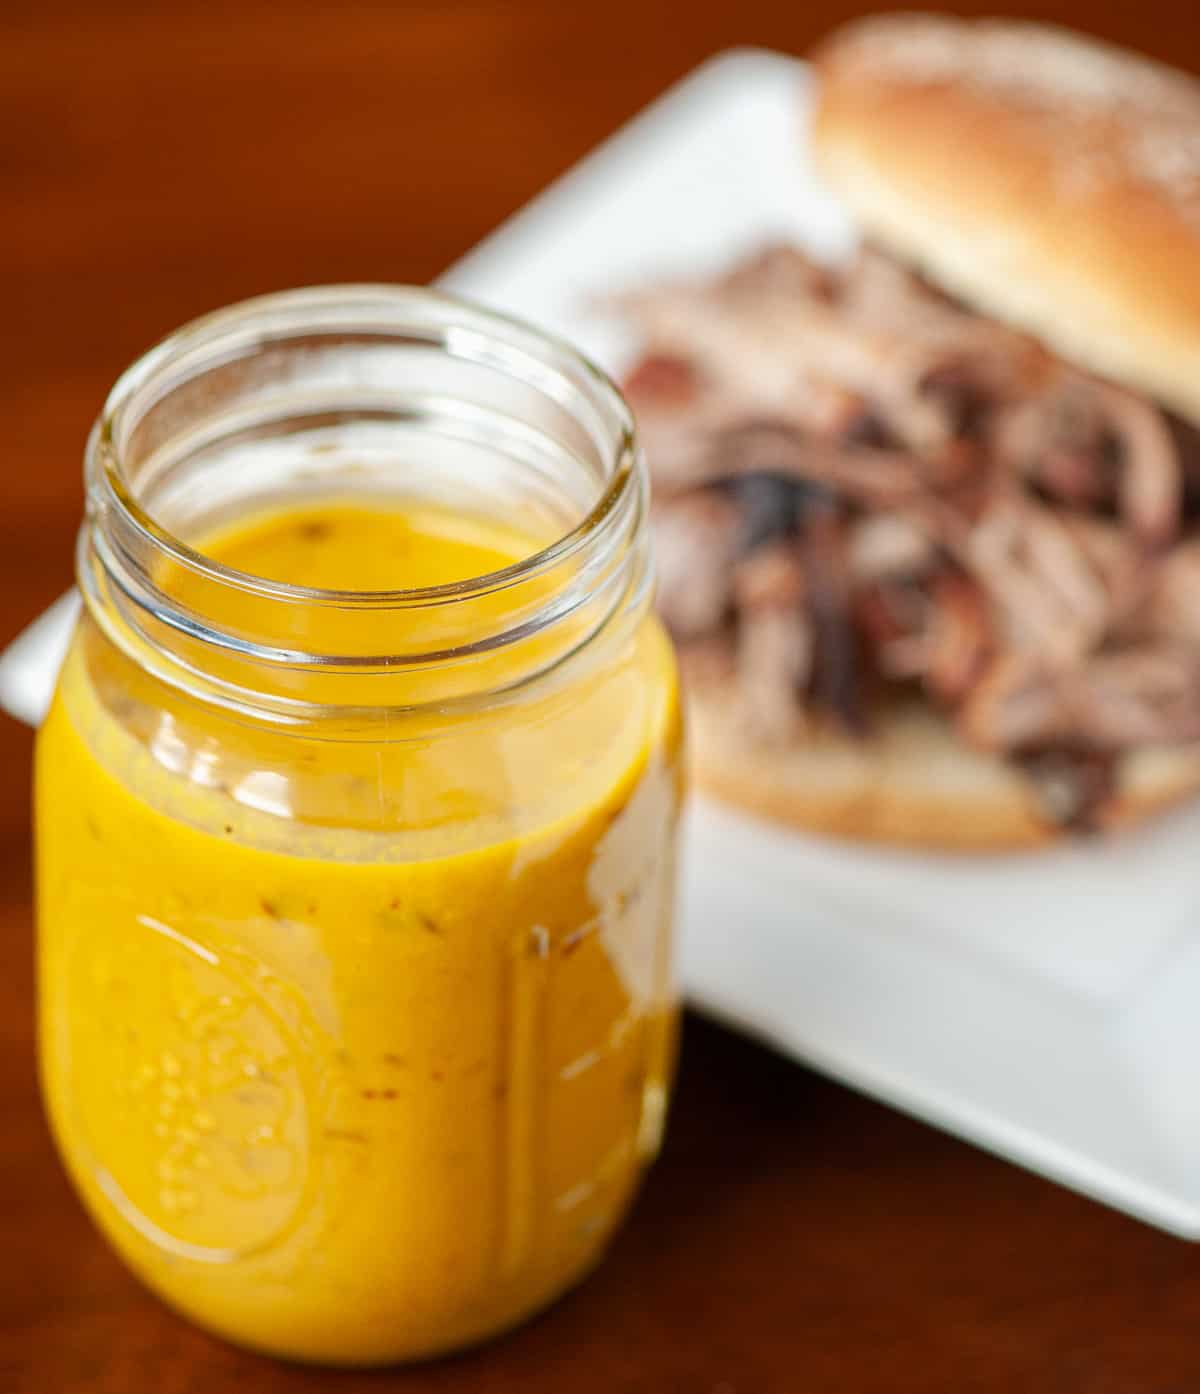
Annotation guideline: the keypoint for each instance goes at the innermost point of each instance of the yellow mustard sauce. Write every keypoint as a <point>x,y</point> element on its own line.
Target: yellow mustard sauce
<point>355,1048</point>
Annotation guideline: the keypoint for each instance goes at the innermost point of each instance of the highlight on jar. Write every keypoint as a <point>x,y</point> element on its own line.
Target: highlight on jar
<point>355,819</point>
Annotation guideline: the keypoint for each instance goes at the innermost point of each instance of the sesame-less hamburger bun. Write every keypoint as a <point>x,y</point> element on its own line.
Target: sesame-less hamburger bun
<point>1050,184</point>
<point>1045,178</point>
<point>912,782</point>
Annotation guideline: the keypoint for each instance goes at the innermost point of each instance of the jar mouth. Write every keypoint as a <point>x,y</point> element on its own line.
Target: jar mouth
<point>380,393</point>
<point>466,331</point>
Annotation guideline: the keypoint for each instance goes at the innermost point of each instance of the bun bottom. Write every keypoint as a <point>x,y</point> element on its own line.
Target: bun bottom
<point>913,783</point>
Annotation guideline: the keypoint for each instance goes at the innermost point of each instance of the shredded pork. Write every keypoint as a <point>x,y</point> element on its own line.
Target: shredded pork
<point>861,484</point>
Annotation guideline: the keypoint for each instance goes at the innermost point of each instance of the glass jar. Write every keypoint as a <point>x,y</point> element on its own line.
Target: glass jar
<point>354,903</point>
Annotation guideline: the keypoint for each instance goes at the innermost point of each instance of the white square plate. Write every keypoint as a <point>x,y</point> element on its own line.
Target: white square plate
<point>1046,1006</point>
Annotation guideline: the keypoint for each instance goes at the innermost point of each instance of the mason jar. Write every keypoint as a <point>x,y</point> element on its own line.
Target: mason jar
<point>356,812</point>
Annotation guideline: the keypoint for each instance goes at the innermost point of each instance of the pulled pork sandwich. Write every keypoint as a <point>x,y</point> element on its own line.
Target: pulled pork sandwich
<point>928,522</point>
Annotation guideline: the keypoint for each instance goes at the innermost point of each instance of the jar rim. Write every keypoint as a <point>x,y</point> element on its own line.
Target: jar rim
<point>469,330</point>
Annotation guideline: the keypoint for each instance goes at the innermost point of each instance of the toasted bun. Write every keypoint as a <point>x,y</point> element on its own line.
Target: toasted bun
<point>914,783</point>
<point>1049,180</point>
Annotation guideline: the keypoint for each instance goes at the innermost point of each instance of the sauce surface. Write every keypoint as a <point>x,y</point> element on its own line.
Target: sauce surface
<point>356,1046</point>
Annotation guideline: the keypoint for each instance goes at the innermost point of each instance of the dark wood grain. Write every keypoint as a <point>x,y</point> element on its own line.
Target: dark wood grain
<point>159,160</point>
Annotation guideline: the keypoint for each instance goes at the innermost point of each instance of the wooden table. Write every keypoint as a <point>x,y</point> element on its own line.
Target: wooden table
<point>158,161</point>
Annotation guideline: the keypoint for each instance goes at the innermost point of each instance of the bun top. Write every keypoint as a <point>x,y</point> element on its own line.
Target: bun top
<point>1048,179</point>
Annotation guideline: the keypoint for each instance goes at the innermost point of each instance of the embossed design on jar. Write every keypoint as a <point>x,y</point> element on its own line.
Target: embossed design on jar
<point>200,1136</point>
